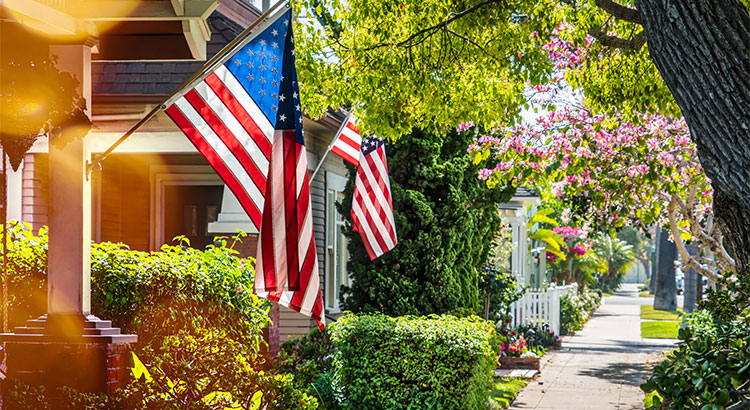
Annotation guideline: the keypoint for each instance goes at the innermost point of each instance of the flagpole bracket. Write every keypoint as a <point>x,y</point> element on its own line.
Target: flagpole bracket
<point>96,163</point>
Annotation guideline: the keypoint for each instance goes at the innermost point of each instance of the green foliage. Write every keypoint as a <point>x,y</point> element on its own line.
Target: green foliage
<point>575,310</point>
<point>200,328</point>
<point>309,359</point>
<point>27,273</point>
<point>613,259</point>
<point>505,391</point>
<point>38,99</point>
<point>445,218</point>
<point>434,362</point>
<point>372,55</point>
<point>710,368</point>
<point>158,294</point>
<point>502,289</point>
<point>732,299</point>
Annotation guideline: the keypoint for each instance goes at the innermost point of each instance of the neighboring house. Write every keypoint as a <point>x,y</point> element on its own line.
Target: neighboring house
<point>528,260</point>
<point>156,186</point>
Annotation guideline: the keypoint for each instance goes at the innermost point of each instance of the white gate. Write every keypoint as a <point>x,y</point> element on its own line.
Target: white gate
<point>542,306</point>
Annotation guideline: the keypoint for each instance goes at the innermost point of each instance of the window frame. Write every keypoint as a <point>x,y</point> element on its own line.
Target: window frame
<point>335,185</point>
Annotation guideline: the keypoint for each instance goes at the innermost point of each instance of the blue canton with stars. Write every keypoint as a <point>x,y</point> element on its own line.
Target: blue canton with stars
<point>265,68</point>
<point>371,144</point>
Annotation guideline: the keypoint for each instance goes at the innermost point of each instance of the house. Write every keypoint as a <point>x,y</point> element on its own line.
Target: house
<point>156,186</point>
<point>528,260</point>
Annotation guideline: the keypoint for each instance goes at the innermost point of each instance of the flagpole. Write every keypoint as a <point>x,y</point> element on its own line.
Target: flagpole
<point>335,137</point>
<point>206,67</point>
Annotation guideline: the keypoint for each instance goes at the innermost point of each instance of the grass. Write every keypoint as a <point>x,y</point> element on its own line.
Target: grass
<point>660,329</point>
<point>504,391</point>
<point>645,294</point>
<point>648,312</point>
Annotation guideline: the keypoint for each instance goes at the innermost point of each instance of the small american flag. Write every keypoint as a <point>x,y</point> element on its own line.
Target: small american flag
<point>348,141</point>
<point>245,118</point>
<point>372,208</point>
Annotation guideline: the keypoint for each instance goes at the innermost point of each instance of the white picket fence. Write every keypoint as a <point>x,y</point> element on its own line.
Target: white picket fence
<point>542,306</point>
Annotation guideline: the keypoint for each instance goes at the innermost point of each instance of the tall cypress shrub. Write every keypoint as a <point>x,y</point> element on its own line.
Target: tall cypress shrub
<point>445,219</point>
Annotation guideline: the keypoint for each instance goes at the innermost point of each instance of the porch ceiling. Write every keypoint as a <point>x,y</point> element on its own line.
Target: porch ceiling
<point>122,30</point>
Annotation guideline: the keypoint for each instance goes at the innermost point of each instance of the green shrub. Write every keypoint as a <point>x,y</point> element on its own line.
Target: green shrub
<point>27,273</point>
<point>575,310</point>
<point>446,219</point>
<point>501,289</point>
<point>710,369</point>
<point>310,360</point>
<point>434,362</point>
<point>200,328</point>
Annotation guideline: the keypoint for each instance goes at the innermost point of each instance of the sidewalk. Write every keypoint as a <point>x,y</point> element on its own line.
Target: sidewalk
<point>601,367</point>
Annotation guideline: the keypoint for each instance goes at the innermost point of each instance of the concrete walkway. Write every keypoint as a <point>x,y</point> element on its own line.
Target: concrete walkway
<point>601,367</point>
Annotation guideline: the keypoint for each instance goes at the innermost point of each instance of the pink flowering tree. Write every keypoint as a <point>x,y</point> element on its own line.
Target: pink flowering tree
<point>608,169</point>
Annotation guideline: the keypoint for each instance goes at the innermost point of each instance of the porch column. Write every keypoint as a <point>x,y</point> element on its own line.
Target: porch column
<point>69,272</point>
<point>68,346</point>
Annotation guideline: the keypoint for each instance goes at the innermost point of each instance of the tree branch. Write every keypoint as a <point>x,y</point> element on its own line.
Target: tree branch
<point>619,11</point>
<point>687,259</point>
<point>430,30</point>
<point>634,43</point>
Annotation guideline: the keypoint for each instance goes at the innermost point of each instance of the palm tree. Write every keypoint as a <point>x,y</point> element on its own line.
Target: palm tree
<point>614,257</point>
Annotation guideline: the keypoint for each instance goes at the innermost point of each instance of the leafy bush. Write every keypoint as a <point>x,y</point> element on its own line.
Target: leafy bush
<point>709,370</point>
<point>27,273</point>
<point>200,328</point>
<point>446,220</point>
<point>575,310</point>
<point>501,290</point>
<point>310,360</point>
<point>434,362</point>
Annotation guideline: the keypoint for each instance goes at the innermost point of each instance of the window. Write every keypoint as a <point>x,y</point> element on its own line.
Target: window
<point>337,254</point>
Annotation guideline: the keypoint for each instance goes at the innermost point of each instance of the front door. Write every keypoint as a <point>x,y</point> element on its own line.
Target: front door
<point>188,209</point>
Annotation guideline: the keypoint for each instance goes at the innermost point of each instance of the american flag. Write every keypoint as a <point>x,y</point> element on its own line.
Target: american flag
<point>372,207</point>
<point>348,141</point>
<point>245,118</point>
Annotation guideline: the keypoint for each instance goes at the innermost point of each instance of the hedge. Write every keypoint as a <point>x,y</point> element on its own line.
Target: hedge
<point>408,362</point>
<point>199,327</point>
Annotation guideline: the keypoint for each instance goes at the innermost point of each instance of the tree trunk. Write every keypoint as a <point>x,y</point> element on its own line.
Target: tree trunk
<point>666,287</point>
<point>654,277</point>
<point>702,50</point>
<point>690,284</point>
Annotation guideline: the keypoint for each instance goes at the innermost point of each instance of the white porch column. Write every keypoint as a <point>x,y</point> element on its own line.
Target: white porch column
<point>15,191</point>
<point>69,273</point>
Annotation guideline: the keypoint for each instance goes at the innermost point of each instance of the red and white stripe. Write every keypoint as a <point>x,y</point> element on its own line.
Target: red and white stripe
<point>372,207</point>
<point>348,142</point>
<point>286,257</point>
<point>231,132</point>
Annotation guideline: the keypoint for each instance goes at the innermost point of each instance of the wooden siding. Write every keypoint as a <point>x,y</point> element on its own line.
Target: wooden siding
<point>35,190</point>
<point>293,324</point>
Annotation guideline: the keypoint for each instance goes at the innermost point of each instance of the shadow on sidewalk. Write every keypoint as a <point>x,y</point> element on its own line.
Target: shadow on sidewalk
<point>619,373</point>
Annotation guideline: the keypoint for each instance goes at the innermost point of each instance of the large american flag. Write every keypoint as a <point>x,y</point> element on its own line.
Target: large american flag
<point>245,118</point>
<point>348,141</point>
<point>372,207</point>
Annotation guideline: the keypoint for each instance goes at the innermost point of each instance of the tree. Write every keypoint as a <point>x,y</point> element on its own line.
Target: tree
<point>641,246</point>
<point>472,61</point>
<point>614,258</point>
<point>446,219</point>
<point>665,288</point>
